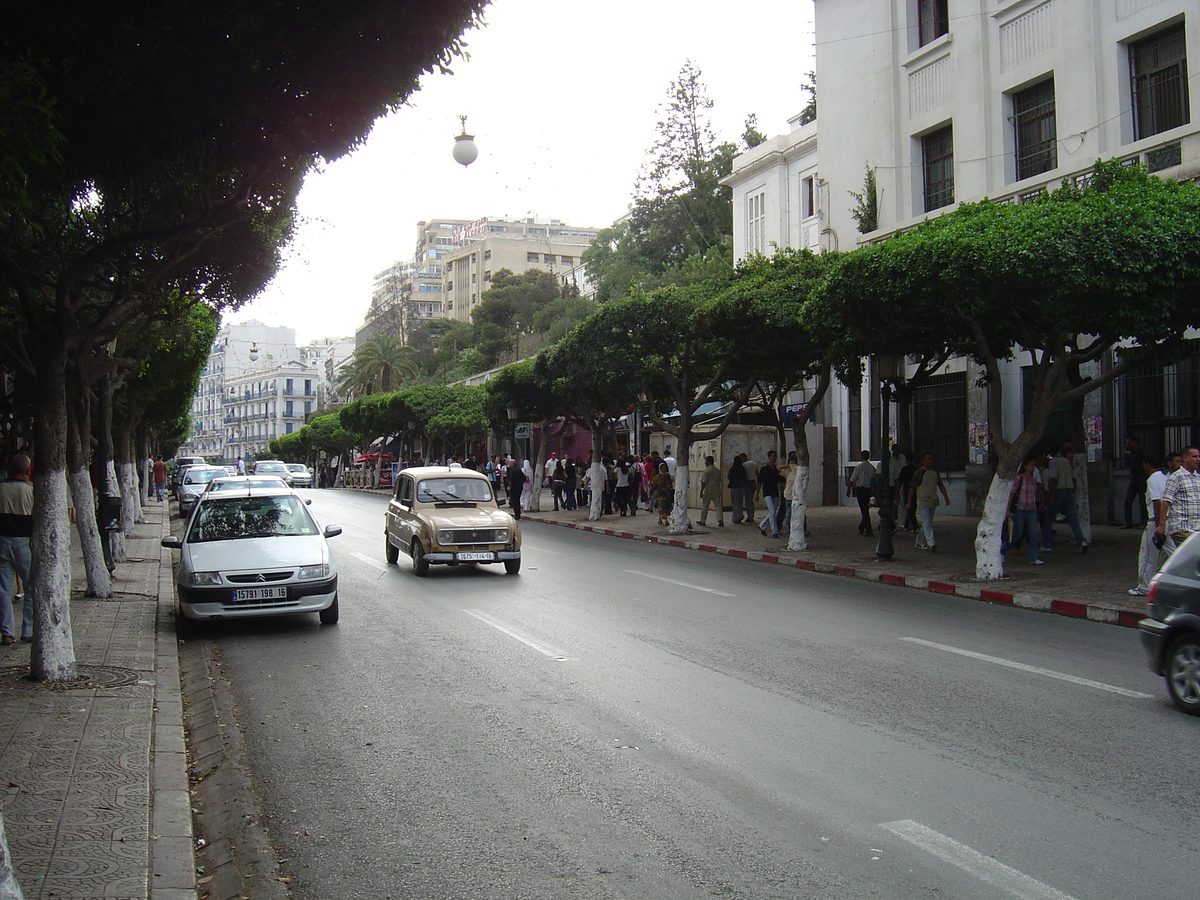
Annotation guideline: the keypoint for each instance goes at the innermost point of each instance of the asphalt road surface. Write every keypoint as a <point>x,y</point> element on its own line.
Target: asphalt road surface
<point>626,720</point>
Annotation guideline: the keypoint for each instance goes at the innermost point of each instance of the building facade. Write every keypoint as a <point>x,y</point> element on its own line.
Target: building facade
<point>951,101</point>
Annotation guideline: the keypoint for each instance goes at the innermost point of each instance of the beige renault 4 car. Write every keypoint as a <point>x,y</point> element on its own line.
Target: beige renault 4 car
<point>440,515</point>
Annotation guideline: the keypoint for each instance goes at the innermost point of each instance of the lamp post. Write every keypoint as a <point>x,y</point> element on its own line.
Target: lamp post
<point>465,151</point>
<point>887,369</point>
<point>513,412</point>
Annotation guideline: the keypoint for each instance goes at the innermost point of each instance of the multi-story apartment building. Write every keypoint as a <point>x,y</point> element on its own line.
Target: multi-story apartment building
<point>411,290</point>
<point>489,245</point>
<point>956,100</point>
<point>235,350</point>
<point>266,403</point>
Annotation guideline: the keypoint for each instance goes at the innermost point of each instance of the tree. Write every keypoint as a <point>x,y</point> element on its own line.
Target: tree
<point>614,265</point>
<point>185,139</point>
<point>383,362</point>
<point>866,204</point>
<point>1059,281</point>
<point>809,113</point>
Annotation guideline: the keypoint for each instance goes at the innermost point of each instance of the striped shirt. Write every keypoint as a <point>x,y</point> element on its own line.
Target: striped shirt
<point>1183,494</point>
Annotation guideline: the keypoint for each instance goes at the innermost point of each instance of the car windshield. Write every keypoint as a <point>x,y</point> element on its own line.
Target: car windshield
<point>242,484</point>
<point>453,490</point>
<point>264,468</point>
<point>298,468</point>
<point>202,476</point>
<point>227,519</point>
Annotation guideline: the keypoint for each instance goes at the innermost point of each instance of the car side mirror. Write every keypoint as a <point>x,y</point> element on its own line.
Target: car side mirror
<point>172,541</point>
<point>330,531</point>
<point>307,502</point>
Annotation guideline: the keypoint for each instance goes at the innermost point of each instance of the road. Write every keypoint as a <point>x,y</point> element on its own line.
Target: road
<point>626,720</point>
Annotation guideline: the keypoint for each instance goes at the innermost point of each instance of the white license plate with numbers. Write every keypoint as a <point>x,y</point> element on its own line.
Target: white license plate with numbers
<point>243,595</point>
<point>475,557</point>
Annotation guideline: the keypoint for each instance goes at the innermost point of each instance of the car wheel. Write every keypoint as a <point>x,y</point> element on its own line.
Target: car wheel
<point>1183,673</point>
<point>330,616</point>
<point>420,563</point>
<point>391,553</point>
<point>512,566</point>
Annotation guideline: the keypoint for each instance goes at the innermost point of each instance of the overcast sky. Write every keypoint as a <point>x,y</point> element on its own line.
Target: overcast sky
<point>562,97</point>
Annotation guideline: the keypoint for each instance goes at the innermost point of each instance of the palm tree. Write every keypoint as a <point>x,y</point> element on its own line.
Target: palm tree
<point>383,360</point>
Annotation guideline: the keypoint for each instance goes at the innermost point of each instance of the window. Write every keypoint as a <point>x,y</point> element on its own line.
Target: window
<point>287,386</point>
<point>808,197</point>
<point>549,258</point>
<point>1034,130</point>
<point>308,387</point>
<point>939,421</point>
<point>937,164</point>
<point>531,257</point>
<point>487,254</point>
<point>307,407</point>
<point>756,241</point>
<point>288,412</point>
<point>487,276</point>
<point>1160,402</point>
<point>1158,82</point>
<point>933,20</point>
<point>568,260</point>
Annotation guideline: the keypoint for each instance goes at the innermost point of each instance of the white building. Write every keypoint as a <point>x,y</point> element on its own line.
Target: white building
<point>265,403</point>
<point>951,101</point>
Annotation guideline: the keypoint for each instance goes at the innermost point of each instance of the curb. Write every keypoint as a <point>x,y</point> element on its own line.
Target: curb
<point>172,859</point>
<point>1096,612</point>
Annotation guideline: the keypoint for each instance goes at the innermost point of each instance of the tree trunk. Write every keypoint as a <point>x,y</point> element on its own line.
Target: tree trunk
<point>116,539</point>
<point>80,484</point>
<point>10,889</point>
<point>797,540</point>
<point>539,470</point>
<point>53,654</point>
<point>597,476</point>
<point>679,522</point>
<point>989,561</point>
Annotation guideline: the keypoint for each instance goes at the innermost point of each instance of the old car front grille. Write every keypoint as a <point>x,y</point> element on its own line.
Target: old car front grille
<point>476,536</point>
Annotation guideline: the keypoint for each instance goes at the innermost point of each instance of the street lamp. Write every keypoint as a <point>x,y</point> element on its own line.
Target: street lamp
<point>513,412</point>
<point>465,151</point>
<point>888,368</point>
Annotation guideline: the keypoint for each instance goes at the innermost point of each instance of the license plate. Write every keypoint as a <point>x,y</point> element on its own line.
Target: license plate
<point>475,557</point>
<point>265,593</point>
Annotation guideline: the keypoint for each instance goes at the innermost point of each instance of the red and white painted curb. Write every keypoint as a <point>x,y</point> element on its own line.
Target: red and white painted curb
<point>1074,608</point>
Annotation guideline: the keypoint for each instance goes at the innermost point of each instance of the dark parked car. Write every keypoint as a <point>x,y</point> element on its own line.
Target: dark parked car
<point>1171,634</point>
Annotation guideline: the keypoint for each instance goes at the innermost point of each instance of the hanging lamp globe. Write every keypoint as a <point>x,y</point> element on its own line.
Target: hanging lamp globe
<point>465,151</point>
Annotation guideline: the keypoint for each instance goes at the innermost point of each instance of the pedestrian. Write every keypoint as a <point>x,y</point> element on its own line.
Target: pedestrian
<point>670,461</point>
<point>1061,498</point>
<point>769,484</point>
<point>570,482</point>
<point>923,499</point>
<point>160,478</point>
<point>621,486</point>
<point>1179,509</point>
<point>241,466</point>
<point>858,485</point>
<point>751,468</point>
<point>662,493</point>
<point>16,529</point>
<point>1136,489</point>
<point>1156,483</point>
<point>789,473</point>
<point>514,482</point>
<point>635,483</point>
<point>558,478</point>
<point>1025,500</point>
<point>736,479</point>
<point>902,482</point>
<point>710,492</point>
<point>527,487</point>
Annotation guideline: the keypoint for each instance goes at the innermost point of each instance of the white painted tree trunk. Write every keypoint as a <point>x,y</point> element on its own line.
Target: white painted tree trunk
<point>539,469</point>
<point>53,655</point>
<point>131,497</point>
<point>98,579</point>
<point>1083,498</point>
<point>989,561</point>
<point>679,523</point>
<point>796,537</point>
<point>596,475</point>
<point>9,888</point>
<point>116,542</point>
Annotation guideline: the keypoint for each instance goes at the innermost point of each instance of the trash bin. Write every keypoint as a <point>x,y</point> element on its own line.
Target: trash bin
<point>108,514</point>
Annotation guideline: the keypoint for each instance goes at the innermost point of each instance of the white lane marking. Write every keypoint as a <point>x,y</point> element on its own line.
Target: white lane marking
<point>371,561</point>
<point>986,869</point>
<point>694,587</point>
<point>527,640</point>
<point>1034,670</point>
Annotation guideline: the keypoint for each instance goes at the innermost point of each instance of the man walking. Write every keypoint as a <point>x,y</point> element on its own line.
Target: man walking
<point>1179,509</point>
<point>769,482</point>
<point>923,499</point>
<point>1137,481</point>
<point>1062,498</point>
<point>160,478</point>
<point>859,487</point>
<point>1156,483</point>
<point>751,468</point>
<point>514,482</point>
<point>710,492</point>
<point>737,486</point>
<point>16,528</point>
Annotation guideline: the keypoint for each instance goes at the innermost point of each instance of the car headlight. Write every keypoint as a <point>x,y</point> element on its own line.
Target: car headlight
<point>502,535</point>
<point>205,579</point>
<point>311,573</point>
<point>445,537</point>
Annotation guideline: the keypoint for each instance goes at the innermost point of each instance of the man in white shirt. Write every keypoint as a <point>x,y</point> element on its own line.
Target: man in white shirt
<point>1156,482</point>
<point>860,486</point>
<point>669,459</point>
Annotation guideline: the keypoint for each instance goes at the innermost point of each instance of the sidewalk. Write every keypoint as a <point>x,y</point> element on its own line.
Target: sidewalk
<point>94,774</point>
<point>1094,585</point>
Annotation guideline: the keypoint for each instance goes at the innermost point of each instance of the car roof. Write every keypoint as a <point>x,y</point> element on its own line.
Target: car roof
<point>251,480</point>
<point>299,466</point>
<point>281,491</point>
<point>442,472</point>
